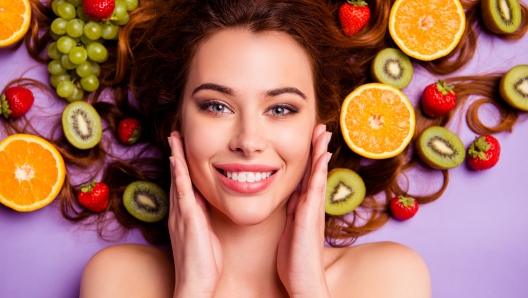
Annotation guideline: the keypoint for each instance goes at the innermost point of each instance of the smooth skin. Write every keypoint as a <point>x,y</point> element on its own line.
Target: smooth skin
<point>249,99</point>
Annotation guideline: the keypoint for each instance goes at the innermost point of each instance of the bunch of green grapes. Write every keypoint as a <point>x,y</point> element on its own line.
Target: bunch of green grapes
<point>77,49</point>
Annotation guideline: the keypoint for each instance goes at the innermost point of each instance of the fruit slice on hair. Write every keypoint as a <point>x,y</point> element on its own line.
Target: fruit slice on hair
<point>146,201</point>
<point>32,172</point>
<point>501,16</point>
<point>392,67</point>
<point>345,190</point>
<point>514,87</point>
<point>440,148</point>
<point>427,29</point>
<point>82,125</point>
<point>15,16</point>
<point>377,121</point>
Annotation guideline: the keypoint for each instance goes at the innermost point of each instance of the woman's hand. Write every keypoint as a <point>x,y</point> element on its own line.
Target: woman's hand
<point>196,249</point>
<point>300,252</point>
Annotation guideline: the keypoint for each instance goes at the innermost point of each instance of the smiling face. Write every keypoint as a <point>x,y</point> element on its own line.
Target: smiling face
<point>247,119</point>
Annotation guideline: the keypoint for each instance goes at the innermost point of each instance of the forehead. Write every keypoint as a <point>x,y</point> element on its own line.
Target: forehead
<point>247,61</point>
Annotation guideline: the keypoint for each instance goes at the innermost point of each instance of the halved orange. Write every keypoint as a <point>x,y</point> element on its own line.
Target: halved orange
<point>377,121</point>
<point>427,29</point>
<point>32,172</point>
<point>15,16</point>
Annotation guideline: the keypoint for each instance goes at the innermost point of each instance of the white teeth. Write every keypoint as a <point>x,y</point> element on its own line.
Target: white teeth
<point>248,176</point>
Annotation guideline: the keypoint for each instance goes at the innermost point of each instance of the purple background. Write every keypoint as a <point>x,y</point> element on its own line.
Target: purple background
<point>474,239</point>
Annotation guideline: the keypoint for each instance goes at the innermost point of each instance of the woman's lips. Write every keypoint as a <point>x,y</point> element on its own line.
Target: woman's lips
<point>250,172</point>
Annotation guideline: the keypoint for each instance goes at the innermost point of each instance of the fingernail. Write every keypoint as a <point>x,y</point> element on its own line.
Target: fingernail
<point>328,137</point>
<point>170,142</point>
<point>328,157</point>
<point>173,161</point>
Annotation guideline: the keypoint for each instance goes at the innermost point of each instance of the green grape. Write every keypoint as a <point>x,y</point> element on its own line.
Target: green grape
<point>53,52</point>
<point>120,10</point>
<point>54,36</point>
<point>90,83</point>
<point>58,26</point>
<point>55,5</point>
<point>65,89</point>
<point>97,52</point>
<point>81,15</point>
<point>77,95</point>
<point>78,55</point>
<point>66,62</point>
<point>65,44</point>
<point>96,69</point>
<point>109,31</point>
<point>66,11</point>
<point>86,41</point>
<point>76,39</point>
<point>123,21</point>
<point>84,69</point>
<point>75,27</point>
<point>75,3</point>
<point>55,68</point>
<point>131,4</point>
<point>93,30</point>
<point>56,79</point>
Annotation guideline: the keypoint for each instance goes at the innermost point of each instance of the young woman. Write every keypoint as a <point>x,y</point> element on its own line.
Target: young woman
<point>248,103</point>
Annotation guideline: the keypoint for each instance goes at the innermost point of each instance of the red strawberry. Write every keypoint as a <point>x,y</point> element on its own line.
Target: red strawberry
<point>16,101</point>
<point>95,196</point>
<point>483,153</point>
<point>353,15</point>
<point>438,99</point>
<point>129,130</point>
<point>98,10</point>
<point>403,208</point>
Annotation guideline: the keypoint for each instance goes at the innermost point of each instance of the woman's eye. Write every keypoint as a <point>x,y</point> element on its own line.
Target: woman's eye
<point>282,110</point>
<point>215,107</point>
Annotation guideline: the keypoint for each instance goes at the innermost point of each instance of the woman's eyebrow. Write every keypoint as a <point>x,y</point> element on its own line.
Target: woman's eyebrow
<point>280,91</point>
<point>215,87</point>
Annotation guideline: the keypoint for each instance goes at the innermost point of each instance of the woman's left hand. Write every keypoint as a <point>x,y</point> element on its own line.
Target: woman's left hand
<point>300,252</point>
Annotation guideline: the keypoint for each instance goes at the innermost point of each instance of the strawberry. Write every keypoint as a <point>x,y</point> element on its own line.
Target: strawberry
<point>129,130</point>
<point>483,153</point>
<point>403,208</point>
<point>16,102</point>
<point>98,10</point>
<point>353,15</point>
<point>438,99</point>
<point>94,196</point>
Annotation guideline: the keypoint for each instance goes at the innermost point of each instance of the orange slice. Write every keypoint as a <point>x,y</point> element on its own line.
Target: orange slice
<point>377,121</point>
<point>15,16</point>
<point>427,29</point>
<point>32,172</point>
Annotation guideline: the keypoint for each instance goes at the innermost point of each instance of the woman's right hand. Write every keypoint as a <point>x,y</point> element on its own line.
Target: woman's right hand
<point>196,249</point>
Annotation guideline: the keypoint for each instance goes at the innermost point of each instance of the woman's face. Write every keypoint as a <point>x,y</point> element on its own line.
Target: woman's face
<point>248,113</point>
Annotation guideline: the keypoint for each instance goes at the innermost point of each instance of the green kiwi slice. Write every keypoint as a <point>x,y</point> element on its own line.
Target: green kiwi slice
<point>514,87</point>
<point>392,67</point>
<point>81,125</point>
<point>345,190</point>
<point>501,16</point>
<point>440,148</point>
<point>146,201</point>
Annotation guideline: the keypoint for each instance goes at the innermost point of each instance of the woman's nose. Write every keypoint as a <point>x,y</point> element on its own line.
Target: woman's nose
<point>249,136</point>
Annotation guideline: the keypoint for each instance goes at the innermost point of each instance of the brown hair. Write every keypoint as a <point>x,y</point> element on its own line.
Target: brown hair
<point>154,53</point>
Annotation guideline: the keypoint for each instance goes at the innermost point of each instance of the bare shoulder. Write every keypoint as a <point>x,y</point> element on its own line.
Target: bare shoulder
<point>382,269</point>
<point>128,270</point>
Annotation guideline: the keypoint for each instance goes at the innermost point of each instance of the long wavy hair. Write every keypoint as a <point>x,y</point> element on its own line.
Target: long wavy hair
<point>152,58</point>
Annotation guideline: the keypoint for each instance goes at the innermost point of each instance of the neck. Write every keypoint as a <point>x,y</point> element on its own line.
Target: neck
<point>250,252</point>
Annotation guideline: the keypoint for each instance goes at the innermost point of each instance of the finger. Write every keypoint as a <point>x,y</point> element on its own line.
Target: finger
<point>292,203</point>
<point>307,173</point>
<point>317,188</point>
<point>321,146</point>
<point>183,193</point>
<point>173,205</point>
<point>176,144</point>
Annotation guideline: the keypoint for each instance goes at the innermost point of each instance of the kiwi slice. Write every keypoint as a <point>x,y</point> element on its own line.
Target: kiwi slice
<point>514,87</point>
<point>392,67</point>
<point>501,16</point>
<point>81,125</point>
<point>345,190</point>
<point>146,201</point>
<point>440,148</point>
